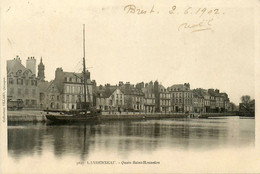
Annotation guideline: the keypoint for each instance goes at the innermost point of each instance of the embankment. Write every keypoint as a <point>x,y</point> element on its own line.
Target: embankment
<point>39,116</point>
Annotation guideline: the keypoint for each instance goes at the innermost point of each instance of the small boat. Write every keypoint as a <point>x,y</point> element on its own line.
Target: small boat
<point>193,115</point>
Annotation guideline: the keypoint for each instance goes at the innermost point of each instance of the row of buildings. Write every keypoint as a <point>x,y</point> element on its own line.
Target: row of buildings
<point>66,91</point>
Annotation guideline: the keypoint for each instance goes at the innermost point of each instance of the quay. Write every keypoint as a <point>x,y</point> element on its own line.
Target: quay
<point>39,116</point>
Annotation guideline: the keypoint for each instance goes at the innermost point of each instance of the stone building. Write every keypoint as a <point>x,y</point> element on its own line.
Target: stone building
<point>110,99</point>
<point>22,82</point>
<point>198,101</point>
<point>162,98</point>
<point>50,96</point>
<point>149,97</point>
<point>71,88</point>
<point>181,97</point>
<point>133,97</point>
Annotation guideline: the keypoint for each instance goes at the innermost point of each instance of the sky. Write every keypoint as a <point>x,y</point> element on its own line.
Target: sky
<point>135,48</point>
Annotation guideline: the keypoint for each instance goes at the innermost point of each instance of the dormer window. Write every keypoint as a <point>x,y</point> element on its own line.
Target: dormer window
<point>11,81</point>
<point>19,72</point>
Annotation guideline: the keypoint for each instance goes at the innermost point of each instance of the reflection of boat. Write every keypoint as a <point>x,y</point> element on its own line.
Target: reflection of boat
<point>87,113</point>
<point>193,115</point>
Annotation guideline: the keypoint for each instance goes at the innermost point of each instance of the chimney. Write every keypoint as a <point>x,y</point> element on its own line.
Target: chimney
<point>120,83</point>
<point>17,58</point>
<point>31,65</point>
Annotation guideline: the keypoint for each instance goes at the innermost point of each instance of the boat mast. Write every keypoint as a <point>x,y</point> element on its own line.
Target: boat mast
<point>84,71</point>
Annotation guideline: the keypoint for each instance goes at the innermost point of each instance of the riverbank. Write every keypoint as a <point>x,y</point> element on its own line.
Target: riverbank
<point>39,116</point>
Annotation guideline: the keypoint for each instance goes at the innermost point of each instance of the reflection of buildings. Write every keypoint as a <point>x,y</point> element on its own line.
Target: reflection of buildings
<point>124,137</point>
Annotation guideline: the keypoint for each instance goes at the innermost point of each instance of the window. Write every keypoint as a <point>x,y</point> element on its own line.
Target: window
<point>41,96</point>
<point>52,97</point>
<point>67,89</point>
<point>65,79</point>
<point>11,81</point>
<point>33,92</point>
<point>33,102</point>
<point>19,91</point>
<point>11,90</point>
<point>67,98</point>
<point>19,81</point>
<point>70,79</point>
<point>33,82</point>
<point>26,82</point>
<point>27,102</point>
<point>58,97</point>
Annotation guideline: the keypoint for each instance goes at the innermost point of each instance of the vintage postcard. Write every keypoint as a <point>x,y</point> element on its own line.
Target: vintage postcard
<point>130,86</point>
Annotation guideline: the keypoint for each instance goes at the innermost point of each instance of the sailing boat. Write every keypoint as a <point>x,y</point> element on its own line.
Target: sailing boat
<point>86,113</point>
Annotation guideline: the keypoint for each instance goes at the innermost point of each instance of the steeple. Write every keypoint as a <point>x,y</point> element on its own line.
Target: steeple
<point>41,68</point>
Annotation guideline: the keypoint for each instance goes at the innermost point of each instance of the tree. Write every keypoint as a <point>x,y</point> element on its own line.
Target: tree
<point>245,99</point>
<point>232,106</point>
<point>128,103</point>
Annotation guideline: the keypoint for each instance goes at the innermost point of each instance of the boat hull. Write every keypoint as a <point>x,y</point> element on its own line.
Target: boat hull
<point>68,118</point>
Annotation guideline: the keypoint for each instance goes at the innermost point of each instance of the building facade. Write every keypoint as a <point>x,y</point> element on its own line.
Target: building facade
<point>110,100</point>
<point>71,87</point>
<point>149,97</point>
<point>181,98</point>
<point>22,82</point>
<point>50,96</point>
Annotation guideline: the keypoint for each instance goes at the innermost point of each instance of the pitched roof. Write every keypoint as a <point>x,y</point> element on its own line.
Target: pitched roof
<point>43,85</point>
<point>14,66</point>
<point>128,89</point>
<point>106,93</point>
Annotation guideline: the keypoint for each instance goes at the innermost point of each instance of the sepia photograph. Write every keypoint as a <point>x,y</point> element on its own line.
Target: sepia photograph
<point>129,86</point>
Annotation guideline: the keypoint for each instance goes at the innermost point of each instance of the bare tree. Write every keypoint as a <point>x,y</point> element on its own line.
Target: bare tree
<point>245,99</point>
<point>232,106</point>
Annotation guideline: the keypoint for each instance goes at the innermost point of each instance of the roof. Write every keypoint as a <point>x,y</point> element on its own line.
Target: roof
<point>106,93</point>
<point>128,89</point>
<point>15,65</point>
<point>43,85</point>
<point>178,87</point>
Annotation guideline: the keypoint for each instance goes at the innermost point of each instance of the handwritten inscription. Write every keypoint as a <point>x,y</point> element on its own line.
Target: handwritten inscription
<point>196,11</point>
<point>135,10</point>
<point>201,17</point>
<point>195,27</point>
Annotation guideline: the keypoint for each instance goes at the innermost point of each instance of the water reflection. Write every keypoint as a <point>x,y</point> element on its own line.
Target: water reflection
<point>124,137</point>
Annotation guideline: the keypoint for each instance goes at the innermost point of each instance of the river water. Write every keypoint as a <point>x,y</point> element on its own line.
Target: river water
<point>169,145</point>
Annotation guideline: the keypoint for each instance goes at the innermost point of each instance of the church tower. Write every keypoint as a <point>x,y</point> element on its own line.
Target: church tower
<point>41,68</point>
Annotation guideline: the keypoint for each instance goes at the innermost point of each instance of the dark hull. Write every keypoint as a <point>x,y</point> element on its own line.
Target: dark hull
<point>69,118</point>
